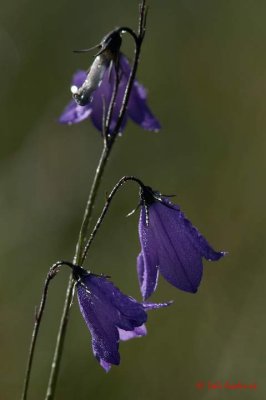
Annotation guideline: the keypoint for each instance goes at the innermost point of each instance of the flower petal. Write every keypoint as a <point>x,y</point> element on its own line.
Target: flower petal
<point>129,313</point>
<point>138,109</point>
<point>99,315</point>
<point>102,98</point>
<point>105,365</point>
<point>156,306</point>
<point>147,263</point>
<point>73,113</point>
<point>79,78</point>
<point>193,233</point>
<point>179,261</point>
<point>140,268</point>
<point>139,331</point>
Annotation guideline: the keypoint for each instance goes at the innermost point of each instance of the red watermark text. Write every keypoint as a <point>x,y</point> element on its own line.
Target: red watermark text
<point>228,385</point>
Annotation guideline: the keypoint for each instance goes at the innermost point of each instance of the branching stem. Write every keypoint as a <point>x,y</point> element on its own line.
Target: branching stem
<point>85,240</point>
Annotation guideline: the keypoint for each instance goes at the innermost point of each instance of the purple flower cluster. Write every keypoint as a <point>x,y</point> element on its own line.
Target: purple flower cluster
<point>170,244</point>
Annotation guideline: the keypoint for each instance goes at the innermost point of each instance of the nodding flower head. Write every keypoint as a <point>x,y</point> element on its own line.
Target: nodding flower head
<point>109,314</point>
<point>170,244</point>
<point>109,50</point>
<point>92,91</point>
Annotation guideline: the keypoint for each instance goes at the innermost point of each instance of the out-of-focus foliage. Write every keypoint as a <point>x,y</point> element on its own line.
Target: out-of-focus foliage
<point>204,63</point>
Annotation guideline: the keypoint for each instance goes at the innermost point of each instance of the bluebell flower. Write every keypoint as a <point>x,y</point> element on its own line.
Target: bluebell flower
<point>100,98</point>
<point>110,315</point>
<point>170,245</point>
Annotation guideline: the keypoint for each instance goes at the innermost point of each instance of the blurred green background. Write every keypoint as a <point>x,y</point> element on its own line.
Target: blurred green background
<point>204,63</point>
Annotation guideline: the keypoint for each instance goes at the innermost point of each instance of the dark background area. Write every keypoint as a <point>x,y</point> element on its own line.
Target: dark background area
<point>204,64</point>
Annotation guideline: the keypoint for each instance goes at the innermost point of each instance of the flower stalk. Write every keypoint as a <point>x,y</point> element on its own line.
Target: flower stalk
<point>119,184</point>
<point>84,240</point>
<point>77,258</point>
<point>54,270</point>
<point>38,317</point>
<point>89,208</point>
<point>170,245</point>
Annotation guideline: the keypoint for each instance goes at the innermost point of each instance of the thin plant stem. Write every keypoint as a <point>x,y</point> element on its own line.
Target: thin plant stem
<point>77,259</point>
<point>38,317</point>
<point>138,43</point>
<point>88,211</point>
<point>107,122</point>
<point>80,255</point>
<point>109,199</point>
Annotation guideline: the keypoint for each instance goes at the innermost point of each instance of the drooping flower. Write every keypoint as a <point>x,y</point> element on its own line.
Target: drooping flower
<point>170,245</point>
<point>137,108</point>
<point>110,315</point>
<point>108,53</point>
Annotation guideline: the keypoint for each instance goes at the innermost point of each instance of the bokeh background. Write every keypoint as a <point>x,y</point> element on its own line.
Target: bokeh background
<point>204,63</point>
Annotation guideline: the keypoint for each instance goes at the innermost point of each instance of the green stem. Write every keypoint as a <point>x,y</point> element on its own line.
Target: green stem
<point>109,142</point>
<point>90,203</point>
<point>77,260</point>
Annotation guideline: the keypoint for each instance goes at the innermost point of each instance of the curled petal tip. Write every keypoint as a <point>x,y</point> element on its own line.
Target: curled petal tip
<point>105,365</point>
<point>217,255</point>
<point>137,332</point>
